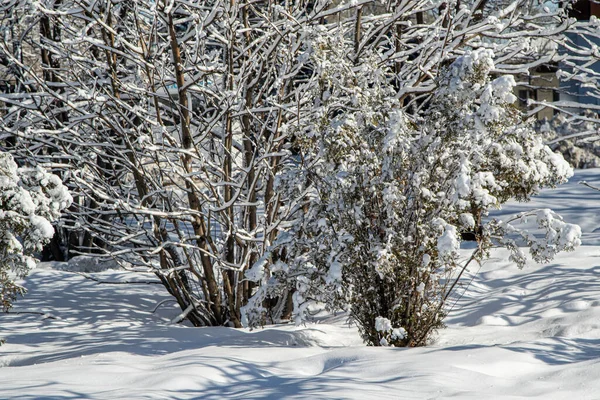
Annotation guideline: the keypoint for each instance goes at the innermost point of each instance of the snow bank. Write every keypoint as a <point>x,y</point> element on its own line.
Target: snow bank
<point>530,333</point>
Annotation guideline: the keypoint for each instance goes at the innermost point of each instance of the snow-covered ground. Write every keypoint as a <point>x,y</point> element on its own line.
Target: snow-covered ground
<point>513,334</point>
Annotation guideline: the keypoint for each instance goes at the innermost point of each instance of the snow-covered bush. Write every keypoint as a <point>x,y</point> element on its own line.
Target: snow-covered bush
<point>386,198</point>
<point>30,199</point>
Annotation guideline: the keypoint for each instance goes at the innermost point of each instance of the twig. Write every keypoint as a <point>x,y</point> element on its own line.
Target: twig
<point>459,275</point>
<point>118,282</point>
<point>466,288</point>
<point>183,315</point>
<point>584,183</point>
<point>45,315</point>
<point>163,302</point>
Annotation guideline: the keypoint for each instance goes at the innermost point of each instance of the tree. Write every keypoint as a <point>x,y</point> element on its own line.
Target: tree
<point>166,118</point>
<point>30,200</point>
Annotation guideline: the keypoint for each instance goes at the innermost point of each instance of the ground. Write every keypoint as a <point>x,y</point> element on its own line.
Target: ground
<point>512,334</point>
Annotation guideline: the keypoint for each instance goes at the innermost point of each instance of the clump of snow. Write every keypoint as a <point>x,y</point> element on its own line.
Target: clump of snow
<point>257,271</point>
<point>383,324</point>
<point>388,333</point>
<point>448,243</point>
<point>467,220</point>
<point>40,232</point>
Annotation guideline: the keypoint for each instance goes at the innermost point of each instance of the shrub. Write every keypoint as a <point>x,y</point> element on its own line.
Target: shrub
<point>386,198</point>
<point>30,199</point>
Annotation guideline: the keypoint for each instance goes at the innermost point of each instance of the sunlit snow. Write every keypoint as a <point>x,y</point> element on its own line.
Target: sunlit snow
<point>530,333</point>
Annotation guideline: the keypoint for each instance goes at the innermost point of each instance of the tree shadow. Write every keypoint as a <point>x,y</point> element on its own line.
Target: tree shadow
<point>529,296</point>
<point>94,318</point>
<point>559,351</point>
<point>196,376</point>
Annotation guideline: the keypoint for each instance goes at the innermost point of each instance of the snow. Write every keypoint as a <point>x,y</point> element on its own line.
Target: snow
<point>383,324</point>
<point>448,243</point>
<point>512,334</point>
<point>41,229</point>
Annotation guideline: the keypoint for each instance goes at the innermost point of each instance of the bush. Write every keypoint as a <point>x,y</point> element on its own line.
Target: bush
<point>30,199</point>
<point>386,198</point>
